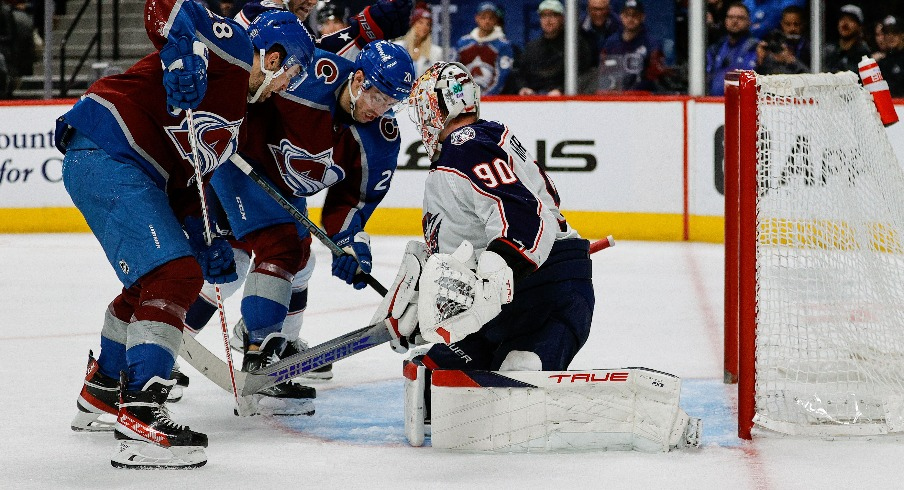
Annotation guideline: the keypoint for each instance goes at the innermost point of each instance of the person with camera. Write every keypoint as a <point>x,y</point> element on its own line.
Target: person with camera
<point>784,50</point>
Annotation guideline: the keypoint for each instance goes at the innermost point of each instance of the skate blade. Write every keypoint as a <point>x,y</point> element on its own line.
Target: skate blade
<point>141,455</point>
<point>93,422</point>
<point>175,394</point>
<point>315,376</point>
<point>268,405</point>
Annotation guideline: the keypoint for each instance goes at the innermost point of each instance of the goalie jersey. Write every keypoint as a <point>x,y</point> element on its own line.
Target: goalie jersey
<point>486,186</point>
<point>305,143</point>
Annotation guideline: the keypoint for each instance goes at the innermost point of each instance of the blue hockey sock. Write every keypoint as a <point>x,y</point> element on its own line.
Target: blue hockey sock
<point>262,317</point>
<point>199,313</point>
<point>112,357</point>
<point>146,361</point>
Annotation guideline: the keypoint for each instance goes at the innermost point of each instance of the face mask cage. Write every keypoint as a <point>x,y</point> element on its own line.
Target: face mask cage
<point>425,111</point>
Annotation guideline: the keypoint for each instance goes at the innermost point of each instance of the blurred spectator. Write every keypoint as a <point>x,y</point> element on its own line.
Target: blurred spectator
<point>419,39</point>
<point>785,50</point>
<point>880,37</point>
<point>542,67</point>
<point>735,51</point>
<point>486,52</point>
<point>715,19</point>
<point>600,22</point>
<point>765,15</point>
<point>846,53</point>
<point>630,59</point>
<point>331,18</point>
<point>892,64</point>
<point>227,8</point>
<point>17,47</point>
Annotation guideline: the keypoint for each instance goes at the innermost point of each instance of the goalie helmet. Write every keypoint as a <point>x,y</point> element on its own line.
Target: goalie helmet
<point>444,92</point>
<point>280,27</point>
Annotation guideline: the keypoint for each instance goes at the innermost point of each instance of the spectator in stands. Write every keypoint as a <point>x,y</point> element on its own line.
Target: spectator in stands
<point>542,67</point>
<point>636,58</point>
<point>735,51</point>
<point>485,51</point>
<point>17,47</point>
<point>880,38</point>
<point>765,15</point>
<point>331,18</point>
<point>715,19</point>
<point>785,50</point>
<point>419,39</point>
<point>892,64</point>
<point>846,53</point>
<point>600,22</point>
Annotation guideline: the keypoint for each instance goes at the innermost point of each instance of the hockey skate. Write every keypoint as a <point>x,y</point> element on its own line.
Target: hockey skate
<point>98,400</point>
<point>148,438</point>
<point>323,373</point>
<point>285,398</point>
<point>175,393</point>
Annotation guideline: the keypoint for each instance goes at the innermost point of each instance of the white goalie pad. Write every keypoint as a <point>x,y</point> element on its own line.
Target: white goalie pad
<point>535,411</point>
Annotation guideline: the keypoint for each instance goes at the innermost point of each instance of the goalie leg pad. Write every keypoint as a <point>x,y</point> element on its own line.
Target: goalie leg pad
<point>416,382</point>
<point>536,411</point>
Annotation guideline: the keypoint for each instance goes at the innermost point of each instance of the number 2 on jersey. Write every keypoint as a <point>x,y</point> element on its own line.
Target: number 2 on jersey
<point>496,173</point>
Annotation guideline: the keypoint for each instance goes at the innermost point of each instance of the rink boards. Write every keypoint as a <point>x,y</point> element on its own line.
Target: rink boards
<point>638,168</point>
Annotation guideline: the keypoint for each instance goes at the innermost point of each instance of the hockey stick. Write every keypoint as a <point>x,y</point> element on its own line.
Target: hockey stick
<point>337,349</point>
<point>241,407</point>
<point>328,352</point>
<point>315,230</point>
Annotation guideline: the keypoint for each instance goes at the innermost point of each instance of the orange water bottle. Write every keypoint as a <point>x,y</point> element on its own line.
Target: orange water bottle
<point>878,87</point>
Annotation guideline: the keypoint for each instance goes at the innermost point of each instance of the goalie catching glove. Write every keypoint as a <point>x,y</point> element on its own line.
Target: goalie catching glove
<point>454,300</point>
<point>399,306</point>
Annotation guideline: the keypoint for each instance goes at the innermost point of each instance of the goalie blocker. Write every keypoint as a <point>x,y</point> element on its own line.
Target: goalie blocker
<point>534,411</point>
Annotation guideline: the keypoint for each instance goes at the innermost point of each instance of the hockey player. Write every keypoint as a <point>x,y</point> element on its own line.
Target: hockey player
<point>385,19</point>
<point>503,283</point>
<point>129,167</point>
<point>335,132</point>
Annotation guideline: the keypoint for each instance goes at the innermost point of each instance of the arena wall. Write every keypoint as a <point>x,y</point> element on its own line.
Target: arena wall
<point>638,168</point>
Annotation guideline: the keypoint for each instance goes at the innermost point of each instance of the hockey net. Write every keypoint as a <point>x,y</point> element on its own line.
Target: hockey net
<point>814,257</point>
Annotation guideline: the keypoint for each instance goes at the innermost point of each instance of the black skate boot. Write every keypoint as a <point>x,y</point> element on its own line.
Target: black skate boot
<point>175,394</point>
<point>148,438</point>
<point>97,403</point>
<point>285,398</point>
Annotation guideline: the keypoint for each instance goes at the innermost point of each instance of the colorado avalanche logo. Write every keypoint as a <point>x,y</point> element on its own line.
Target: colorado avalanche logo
<point>217,140</point>
<point>462,135</point>
<point>326,70</point>
<point>305,173</point>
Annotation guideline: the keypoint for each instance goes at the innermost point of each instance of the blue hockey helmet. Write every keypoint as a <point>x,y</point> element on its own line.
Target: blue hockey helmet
<point>283,28</point>
<point>388,67</point>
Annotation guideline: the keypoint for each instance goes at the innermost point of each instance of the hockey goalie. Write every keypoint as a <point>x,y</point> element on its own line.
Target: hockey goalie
<point>502,288</point>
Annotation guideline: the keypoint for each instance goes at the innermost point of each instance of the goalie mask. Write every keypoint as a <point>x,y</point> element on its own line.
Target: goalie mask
<point>444,92</point>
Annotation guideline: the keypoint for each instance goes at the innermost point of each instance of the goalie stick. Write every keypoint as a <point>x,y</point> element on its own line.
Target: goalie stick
<point>315,230</point>
<point>328,352</point>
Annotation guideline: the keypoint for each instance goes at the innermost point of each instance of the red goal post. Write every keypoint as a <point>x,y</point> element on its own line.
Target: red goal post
<point>814,257</point>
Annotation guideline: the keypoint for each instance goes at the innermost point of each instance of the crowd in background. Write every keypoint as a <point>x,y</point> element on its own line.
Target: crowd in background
<point>617,52</point>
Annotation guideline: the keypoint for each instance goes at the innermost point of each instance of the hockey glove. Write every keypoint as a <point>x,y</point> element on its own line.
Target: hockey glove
<point>399,306</point>
<point>454,301</point>
<point>391,16</point>
<point>357,259</point>
<point>184,73</point>
<point>217,261</point>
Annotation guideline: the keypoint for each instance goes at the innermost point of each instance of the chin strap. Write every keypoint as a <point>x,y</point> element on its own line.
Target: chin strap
<point>269,75</point>
<point>352,98</point>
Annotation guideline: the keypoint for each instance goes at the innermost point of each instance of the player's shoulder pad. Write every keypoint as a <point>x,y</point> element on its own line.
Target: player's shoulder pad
<point>380,137</point>
<point>227,39</point>
<point>472,145</point>
<point>326,74</point>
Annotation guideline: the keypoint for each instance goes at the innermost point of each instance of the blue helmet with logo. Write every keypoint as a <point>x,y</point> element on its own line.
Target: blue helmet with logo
<point>283,28</point>
<point>388,67</point>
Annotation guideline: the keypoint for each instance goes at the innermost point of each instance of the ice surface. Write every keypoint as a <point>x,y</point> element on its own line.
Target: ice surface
<point>659,305</point>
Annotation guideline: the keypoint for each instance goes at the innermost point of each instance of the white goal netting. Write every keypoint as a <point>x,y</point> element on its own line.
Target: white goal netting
<point>830,261</point>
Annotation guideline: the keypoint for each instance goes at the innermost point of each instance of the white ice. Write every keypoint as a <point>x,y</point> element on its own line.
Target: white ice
<point>659,305</point>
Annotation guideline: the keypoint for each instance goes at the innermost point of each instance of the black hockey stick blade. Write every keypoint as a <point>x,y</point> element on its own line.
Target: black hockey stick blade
<point>315,357</point>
